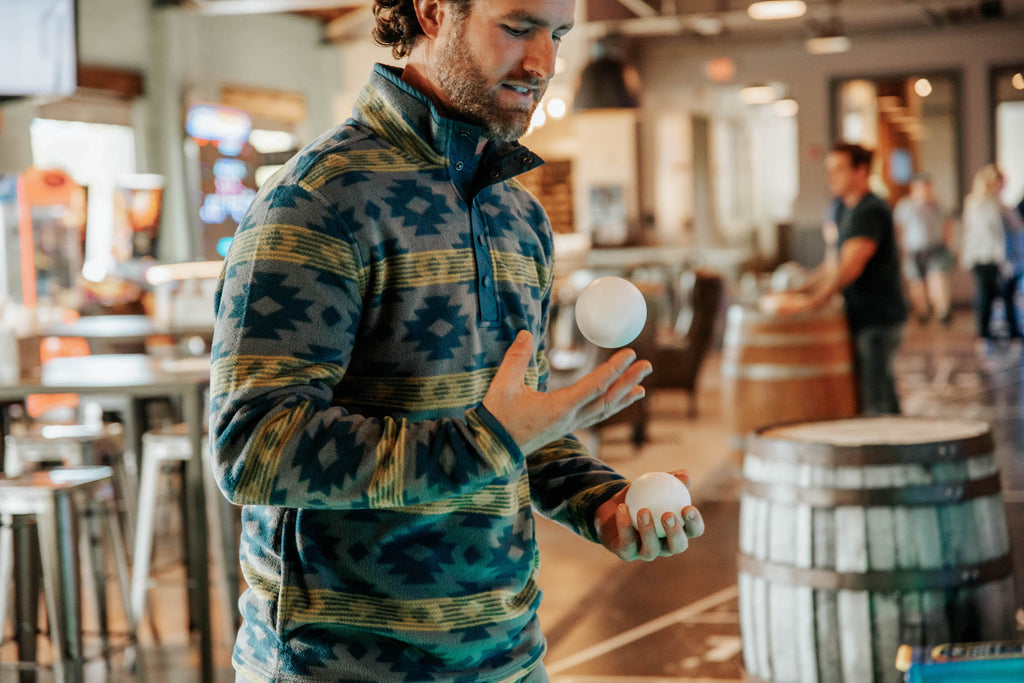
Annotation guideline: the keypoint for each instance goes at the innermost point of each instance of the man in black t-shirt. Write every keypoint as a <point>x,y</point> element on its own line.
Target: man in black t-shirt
<point>867,272</point>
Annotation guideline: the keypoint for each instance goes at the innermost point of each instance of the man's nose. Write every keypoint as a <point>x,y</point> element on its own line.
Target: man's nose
<point>540,57</point>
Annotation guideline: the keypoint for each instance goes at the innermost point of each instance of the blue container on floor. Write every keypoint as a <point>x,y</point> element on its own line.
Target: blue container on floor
<point>989,662</point>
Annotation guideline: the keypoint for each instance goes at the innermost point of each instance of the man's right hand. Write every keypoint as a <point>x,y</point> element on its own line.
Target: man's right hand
<point>535,418</point>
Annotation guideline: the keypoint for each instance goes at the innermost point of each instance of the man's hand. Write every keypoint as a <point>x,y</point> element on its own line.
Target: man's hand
<point>784,304</point>
<point>616,533</point>
<point>534,418</point>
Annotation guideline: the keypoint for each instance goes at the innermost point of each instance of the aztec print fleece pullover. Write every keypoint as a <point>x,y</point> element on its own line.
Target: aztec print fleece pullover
<point>368,298</point>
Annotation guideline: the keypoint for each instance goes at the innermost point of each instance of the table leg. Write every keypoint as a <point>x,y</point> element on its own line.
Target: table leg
<point>26,591</point>
<point>194,413</point>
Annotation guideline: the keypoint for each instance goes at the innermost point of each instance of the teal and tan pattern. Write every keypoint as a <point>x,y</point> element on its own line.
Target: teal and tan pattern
<point>368,298</point>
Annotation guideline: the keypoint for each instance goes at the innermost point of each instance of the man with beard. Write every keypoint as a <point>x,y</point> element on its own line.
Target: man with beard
<point>379,372</point>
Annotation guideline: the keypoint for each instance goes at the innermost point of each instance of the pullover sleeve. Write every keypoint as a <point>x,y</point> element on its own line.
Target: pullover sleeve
<point>288,310</point>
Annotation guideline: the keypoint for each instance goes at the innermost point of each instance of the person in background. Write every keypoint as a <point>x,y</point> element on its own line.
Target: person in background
<point>1013,228</point>
<point>988,228</point>
<point>924,230</point>
<point>866,272</point>
<point>379,400</point>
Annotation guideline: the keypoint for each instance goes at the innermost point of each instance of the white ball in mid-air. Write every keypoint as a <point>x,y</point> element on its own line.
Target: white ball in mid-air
<point>659,492</point>
<point>611,312</point>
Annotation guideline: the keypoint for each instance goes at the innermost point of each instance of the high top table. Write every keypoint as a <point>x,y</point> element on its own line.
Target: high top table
<point>122,327</point>
<point>119,333</point>
<point>137,377</point>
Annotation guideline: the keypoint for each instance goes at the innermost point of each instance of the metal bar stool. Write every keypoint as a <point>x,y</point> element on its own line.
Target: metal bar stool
<point>57,499</point>
<point>168,445</point>
<point>77,445</point>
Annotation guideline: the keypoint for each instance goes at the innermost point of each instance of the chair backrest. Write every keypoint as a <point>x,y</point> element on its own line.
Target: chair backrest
<point>707,299</point>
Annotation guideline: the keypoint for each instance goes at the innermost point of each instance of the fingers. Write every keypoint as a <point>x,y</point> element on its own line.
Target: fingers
<point>693,522</point>
<point>627,541</point>
<point>517,359</point>
<point>675,535</point>
<point>622,392</point>
<point>600,379</point>
<point>624,389</point>
<point>642,542</point>
<point>650,546</point>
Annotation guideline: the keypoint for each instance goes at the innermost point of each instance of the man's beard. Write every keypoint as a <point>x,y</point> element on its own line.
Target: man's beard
<point>471,96</point>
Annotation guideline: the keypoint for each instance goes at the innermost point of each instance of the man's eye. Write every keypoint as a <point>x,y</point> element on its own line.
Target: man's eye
<point>517,32</point>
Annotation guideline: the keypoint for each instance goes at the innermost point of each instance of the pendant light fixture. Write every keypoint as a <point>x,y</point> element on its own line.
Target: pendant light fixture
<point>830,38</point>
<point>607,82</point>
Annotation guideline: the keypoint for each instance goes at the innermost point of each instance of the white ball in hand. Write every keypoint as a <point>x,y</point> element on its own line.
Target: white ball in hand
<point>659,492</point>
<point>611,312</point>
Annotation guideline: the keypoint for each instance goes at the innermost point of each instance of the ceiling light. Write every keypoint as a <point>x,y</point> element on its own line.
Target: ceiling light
<point>828,45</point>
<point>757,94</point>
<point>720,69</point>
<point>652,26</point>
<point>777,9</point>
<point>556,107</point>
<point>785,108</point>
<point>923,87</point>
<point>1017,81</point>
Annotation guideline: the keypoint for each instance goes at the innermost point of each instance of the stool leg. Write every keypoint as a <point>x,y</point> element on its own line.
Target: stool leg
<point>92,539</point>
<point>195,559</point>
<point>58,550</point>
<point>219,539</point>
<point>118,461</point>
<point>115,537</point>
<point>6,568</point>
<point>26,590</point>
<point>145,520</point>
<point>125,478</point>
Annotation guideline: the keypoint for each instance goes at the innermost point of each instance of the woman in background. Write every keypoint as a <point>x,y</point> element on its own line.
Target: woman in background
<point>987,225</point>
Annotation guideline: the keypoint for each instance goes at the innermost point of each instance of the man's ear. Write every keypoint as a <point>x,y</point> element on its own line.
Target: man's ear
<point>429,13</point>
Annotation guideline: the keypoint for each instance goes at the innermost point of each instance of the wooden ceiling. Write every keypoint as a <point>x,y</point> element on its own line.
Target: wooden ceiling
<point>329,15</point>
<point>727,19</point>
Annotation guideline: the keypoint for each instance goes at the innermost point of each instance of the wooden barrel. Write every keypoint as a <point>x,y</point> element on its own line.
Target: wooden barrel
<point>858,535</point>
<point>785,369</point>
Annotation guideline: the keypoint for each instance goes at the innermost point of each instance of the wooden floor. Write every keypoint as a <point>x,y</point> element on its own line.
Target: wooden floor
<point>674,620</point>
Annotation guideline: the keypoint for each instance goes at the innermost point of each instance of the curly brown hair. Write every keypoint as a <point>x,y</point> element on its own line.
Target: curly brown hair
<point>397,26</point>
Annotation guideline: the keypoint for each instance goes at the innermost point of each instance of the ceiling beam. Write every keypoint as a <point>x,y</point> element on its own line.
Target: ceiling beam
<point>349,26</point>
<point>267,6</point>
<point>639,8</point>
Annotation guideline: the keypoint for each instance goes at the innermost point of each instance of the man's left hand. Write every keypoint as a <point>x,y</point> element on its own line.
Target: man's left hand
<point>615,529</point>
<point>782,304</point>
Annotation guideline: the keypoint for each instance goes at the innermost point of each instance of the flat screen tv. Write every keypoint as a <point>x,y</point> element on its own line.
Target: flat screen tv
<point>38,48</point>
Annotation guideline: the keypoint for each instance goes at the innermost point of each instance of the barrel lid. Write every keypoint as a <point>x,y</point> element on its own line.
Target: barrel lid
<point>872,440</point>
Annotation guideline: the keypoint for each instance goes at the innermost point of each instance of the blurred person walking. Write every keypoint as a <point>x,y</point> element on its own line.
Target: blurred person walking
<point>987,227</point>
<point>924,230</point>
<point>1013,229</point>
